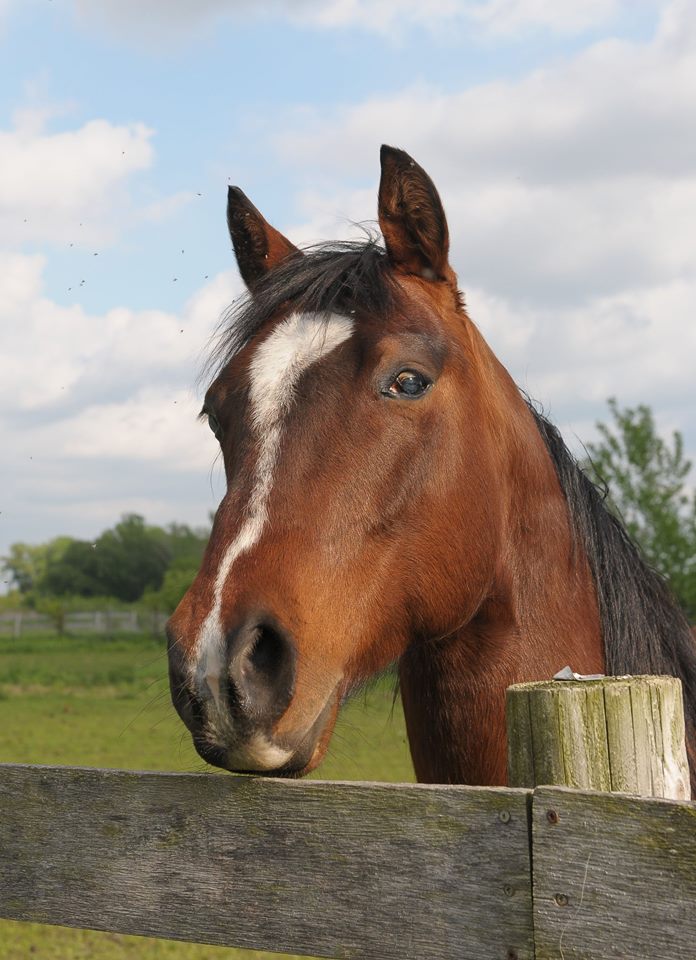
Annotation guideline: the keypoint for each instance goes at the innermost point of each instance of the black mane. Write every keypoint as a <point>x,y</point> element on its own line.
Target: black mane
<point>347,277</point>
<point>643,627</point>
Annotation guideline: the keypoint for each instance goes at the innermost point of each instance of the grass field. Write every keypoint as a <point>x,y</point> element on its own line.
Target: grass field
<point>89,701</point>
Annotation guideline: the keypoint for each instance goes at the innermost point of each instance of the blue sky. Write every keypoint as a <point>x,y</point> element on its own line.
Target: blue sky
<point>560,134</point>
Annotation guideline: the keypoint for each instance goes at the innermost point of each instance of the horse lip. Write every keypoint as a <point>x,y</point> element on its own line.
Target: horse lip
<point>305,751</point>
<point>300,753</point>
<point>214,755</point>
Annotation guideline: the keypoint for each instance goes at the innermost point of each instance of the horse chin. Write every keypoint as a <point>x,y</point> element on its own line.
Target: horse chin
<point>317,741</point>
<point>313,746</point>
<point>261,756</point>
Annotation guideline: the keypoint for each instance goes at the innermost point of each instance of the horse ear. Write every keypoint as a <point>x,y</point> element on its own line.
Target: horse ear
<point>258,246</point>
<point>411,217</point>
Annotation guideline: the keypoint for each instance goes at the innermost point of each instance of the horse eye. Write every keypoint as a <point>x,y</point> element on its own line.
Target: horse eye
<point>215,427</point>
<point>409,383</point>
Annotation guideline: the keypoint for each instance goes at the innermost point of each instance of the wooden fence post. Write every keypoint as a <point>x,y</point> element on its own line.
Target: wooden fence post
<point>618,734</point>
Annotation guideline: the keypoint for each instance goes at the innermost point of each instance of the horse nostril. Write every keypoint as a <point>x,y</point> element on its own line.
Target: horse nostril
<point>267,654</point>
<point>261,669</point>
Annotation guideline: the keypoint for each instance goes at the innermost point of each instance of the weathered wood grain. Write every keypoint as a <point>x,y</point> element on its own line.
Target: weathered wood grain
<point>338,870</point>
<point>623,734</point>
<point>614,877</point>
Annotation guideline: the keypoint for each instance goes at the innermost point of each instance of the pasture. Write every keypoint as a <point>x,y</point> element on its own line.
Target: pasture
<point>90,701</point>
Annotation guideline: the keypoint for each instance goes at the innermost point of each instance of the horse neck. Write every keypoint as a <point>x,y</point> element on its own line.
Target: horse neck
<point>539,614</point>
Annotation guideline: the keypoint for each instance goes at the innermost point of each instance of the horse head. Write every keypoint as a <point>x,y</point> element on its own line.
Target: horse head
<point>391,498</point>
<point>350,408</point>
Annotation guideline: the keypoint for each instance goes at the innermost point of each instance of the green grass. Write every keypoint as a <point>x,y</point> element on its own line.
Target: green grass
<point>88,701</point>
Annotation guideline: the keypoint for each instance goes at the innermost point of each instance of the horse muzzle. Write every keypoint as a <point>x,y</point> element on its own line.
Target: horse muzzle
<point>232,695</point>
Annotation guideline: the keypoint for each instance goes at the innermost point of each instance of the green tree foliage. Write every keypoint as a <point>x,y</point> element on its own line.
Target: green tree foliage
<point>130,558</point>
<point>73,573</point>
<point>56,610</point>
<point>26,564</point>
<point>122,563</point>
<point>646,477</point>
<point>186,546</point>
<point>176,582</point>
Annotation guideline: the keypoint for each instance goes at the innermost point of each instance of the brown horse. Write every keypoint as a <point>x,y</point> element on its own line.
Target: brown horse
<point>392,498</point>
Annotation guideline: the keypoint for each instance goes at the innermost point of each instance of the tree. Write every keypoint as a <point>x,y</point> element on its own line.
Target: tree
<point>130,558</point>
<point>55,610</point>
<point>176,582</point>
<point>73,573</point>
<point>123,563</point>
<point>26,564</point>
<point>646,478</point>
<point>186,546</point>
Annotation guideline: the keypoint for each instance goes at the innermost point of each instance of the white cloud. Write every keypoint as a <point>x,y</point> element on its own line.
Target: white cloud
<point>492,16</point>
<point>562,16</point>
<point>55,355</point>
<point>176,18</point>
<point>168,17</point>
<point>342,216</point>
<point>616,109</point>
<point>51,351</point>
<point>93,406</point>
<point>380,16</point>
<point>100,410</point>
<point>153,425</point>
<point>577,180</point>
<point>571,198</point>
<point>69,185</point>
<point>638,344</point>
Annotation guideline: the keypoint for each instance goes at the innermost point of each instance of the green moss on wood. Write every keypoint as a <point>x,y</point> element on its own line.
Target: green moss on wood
<point>624,734</point>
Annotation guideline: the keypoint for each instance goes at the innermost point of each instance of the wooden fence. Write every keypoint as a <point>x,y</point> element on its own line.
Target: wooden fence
<point>19,622</point>
<point>350,870</point>
<point>378,871</point>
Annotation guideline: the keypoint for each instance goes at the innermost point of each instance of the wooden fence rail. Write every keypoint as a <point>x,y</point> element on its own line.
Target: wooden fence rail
<point>614,876</point>
<point>339,870</point>
<point>18,623</point>
<point>350,870</point>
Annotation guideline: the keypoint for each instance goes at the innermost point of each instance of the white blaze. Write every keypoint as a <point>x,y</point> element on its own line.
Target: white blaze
<point>294,345</point>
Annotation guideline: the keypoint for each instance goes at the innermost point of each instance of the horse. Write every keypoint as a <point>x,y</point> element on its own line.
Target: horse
<point>392,499</point>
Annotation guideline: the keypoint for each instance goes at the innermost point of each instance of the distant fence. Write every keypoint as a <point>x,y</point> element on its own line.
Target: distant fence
<point>19,622</point>
<point>351,870</point>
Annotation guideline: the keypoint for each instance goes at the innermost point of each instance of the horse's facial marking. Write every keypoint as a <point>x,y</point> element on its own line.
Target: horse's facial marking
<point>260,754</point>
<point>283,356</point>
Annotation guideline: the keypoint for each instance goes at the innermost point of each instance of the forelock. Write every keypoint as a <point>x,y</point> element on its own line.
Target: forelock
<point>350,279</point>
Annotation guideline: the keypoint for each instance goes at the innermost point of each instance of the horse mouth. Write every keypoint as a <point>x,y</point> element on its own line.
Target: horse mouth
<point>260,755</point>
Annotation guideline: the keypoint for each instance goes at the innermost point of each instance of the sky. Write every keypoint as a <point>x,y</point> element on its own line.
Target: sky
<point>561,135</point>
